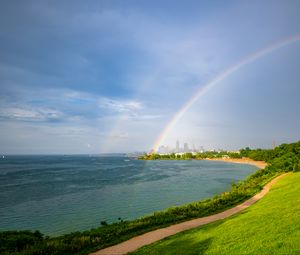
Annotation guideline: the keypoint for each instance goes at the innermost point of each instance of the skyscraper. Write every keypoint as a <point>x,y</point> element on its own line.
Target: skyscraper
<point>186,147</point>
<point>177,147</point>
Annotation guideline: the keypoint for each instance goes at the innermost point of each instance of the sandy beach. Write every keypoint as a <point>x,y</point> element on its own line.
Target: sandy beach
<point>259,164</point>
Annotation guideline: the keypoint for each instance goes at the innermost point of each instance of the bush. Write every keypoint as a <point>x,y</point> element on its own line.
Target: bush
<point>296,167</point>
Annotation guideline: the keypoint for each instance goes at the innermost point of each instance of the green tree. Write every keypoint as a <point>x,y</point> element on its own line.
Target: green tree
<point>296,167</point>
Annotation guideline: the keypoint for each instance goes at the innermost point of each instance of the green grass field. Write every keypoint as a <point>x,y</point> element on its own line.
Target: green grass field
<point>271,226</point>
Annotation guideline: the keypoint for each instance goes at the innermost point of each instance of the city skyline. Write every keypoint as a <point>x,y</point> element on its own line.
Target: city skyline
<point>167,149</point>
<point>177,149</point>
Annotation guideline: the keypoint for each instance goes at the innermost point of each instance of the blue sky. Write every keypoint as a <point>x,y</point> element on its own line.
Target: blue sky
<point>107,76</point>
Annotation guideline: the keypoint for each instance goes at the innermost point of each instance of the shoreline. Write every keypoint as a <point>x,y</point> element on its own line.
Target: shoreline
<point>139,241</point>
<point>248,161</point>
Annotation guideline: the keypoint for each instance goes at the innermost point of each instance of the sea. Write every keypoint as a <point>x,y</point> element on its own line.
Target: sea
<point>62,194</point>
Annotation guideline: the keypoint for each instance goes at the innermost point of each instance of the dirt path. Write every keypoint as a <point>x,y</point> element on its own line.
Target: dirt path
<point>153,236</point>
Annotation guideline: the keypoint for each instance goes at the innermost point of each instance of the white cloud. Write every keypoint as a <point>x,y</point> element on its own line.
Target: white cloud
<point>26,113</point>
<point>120,106</point>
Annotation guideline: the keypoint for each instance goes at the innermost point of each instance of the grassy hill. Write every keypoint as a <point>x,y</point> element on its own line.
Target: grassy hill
<point>272,226</point>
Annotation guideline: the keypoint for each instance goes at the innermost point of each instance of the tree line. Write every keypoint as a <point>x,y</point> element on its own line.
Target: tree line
<point>189,155</point>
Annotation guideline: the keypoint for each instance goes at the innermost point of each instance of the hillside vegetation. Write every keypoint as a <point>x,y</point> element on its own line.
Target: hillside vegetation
<point>271,226</point>
<point>284,158</point>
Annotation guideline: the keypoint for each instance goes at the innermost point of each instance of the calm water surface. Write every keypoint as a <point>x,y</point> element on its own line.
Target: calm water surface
<point>60,194</point>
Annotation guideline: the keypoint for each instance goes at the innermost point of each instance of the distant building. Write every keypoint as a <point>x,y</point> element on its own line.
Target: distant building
<point>194,148</point>
<point>186,147</point>
<point>177,147</point>
<point>235,152</point>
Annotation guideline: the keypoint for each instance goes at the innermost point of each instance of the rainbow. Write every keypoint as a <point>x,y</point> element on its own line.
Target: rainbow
<point>230,70</point>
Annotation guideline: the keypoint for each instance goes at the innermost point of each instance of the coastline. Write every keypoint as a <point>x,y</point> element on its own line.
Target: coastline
<point>248,161</point>
<point>137,242</point>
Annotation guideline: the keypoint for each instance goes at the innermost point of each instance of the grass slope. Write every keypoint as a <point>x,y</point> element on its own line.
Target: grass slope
<point>271,226</point>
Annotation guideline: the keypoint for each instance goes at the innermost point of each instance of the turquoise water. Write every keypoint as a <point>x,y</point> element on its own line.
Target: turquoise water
<point>60,194</point>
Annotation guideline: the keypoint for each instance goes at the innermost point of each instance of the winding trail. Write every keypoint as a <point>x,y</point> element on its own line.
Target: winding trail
<point>156,235</point>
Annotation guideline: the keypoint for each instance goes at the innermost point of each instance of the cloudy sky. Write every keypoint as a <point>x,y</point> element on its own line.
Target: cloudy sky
<point>108,76</point>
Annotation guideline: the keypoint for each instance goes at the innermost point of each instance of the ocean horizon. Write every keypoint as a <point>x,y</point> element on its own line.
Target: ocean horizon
<point>59,194</point>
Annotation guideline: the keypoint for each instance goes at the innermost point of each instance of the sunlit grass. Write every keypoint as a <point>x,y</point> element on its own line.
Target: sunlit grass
<point>272,226</point>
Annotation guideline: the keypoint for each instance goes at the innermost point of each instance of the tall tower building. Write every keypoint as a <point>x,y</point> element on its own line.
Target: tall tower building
<point>177,146</point>
<point>186,147</point>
